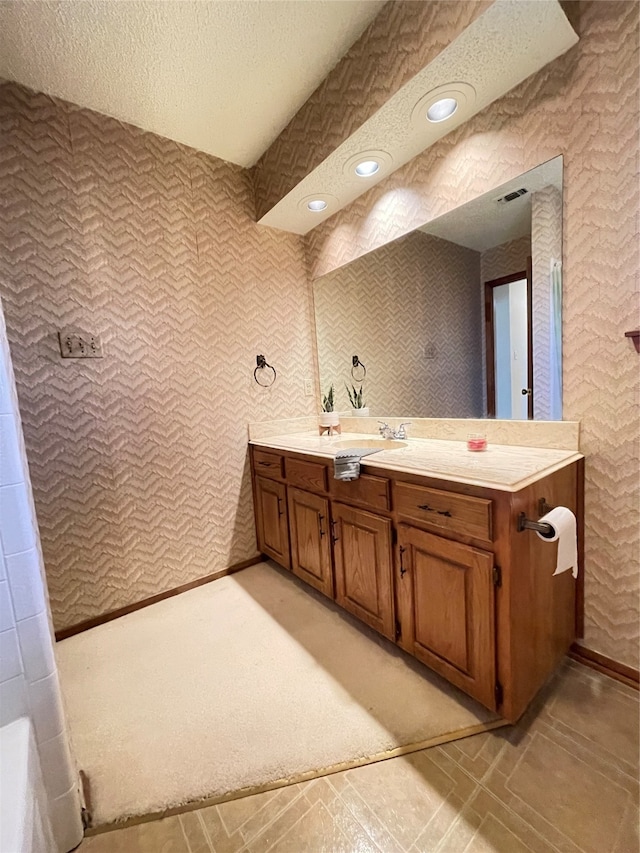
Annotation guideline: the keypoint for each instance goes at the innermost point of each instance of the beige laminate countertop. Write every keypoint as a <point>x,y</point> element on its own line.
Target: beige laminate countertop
<point>506,467</point>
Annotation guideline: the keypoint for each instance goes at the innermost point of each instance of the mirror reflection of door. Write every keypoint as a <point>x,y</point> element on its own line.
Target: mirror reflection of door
<point>509,346</point>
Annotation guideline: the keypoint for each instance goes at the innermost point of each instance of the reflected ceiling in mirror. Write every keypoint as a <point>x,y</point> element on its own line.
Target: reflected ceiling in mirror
<point>413,310</point>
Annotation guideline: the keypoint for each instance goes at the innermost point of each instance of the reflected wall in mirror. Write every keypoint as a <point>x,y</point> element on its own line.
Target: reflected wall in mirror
<point>414,310</point>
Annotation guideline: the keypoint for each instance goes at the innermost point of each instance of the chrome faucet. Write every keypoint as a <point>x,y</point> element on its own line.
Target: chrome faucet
<point>388,432</point>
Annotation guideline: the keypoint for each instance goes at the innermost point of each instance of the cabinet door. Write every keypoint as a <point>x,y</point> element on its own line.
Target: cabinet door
<point>364,566</point>
<point>271,520</point>
<point>448,612</point>
<point>310,546</point>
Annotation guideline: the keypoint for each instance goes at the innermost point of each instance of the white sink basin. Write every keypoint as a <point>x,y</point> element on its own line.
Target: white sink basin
<point>368,443</point>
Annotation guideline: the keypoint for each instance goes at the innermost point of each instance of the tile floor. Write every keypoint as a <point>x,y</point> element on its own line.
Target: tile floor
<point>563,780</point>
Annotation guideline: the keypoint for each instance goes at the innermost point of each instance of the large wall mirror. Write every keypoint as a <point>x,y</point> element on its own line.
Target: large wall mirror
<point>460,318</point>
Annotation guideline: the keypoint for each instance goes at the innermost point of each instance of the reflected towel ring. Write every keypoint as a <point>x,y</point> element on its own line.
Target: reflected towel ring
<point>262,364</point>
<point>356,363</point>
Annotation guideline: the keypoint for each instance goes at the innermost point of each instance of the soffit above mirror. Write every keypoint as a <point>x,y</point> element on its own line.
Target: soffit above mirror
<point>509,41</point>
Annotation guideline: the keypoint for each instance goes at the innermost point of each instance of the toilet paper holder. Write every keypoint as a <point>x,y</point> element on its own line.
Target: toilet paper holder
<point>541,527</point>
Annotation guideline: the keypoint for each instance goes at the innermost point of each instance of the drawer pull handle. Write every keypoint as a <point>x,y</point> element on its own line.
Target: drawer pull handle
<point>428,508</point>
<point>334,538</point>
<point>403,571</point>
<point>266,464</point>
<point>280,512</point>
<point>320,520</point>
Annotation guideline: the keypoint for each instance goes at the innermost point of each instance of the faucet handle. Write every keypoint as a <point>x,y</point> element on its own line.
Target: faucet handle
<point>383,426</point>
<point>401,432</point>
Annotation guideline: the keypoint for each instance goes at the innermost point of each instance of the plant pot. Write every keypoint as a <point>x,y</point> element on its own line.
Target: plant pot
<point>328,419</point>
<point>360,413</point>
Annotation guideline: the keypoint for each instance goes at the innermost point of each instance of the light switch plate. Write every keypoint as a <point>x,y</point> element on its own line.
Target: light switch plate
<point>75,344</point>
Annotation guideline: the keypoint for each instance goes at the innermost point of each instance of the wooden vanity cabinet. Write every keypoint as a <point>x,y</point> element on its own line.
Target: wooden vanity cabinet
<point>272,523</point>
<point>437,566</point>
<point>363,561</point>
<point>310,541</point>
<point>446,593</point>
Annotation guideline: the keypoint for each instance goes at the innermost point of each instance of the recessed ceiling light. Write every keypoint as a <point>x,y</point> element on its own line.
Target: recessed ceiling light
<point>319,204</point>
<point>366,164</point>
<point>367,168</point>
<point>440,104</point>
<point>442,109</point>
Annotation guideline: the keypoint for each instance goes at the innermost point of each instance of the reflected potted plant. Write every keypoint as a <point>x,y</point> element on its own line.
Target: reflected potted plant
<point>329,417</point>
<point>357,402</point>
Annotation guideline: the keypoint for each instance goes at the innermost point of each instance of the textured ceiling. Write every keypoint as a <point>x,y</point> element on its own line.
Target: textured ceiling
<point>223,76</point>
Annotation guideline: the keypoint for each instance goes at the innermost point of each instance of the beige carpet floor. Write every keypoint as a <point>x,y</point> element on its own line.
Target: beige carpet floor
<point>247,681</point>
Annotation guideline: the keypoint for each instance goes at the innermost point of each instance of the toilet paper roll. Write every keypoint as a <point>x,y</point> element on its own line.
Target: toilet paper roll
<point>563,524</point>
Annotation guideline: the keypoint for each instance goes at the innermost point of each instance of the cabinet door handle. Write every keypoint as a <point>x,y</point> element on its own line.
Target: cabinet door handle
<point>428,508</point>
<point>320,520</point>
<point>403,571</point>
<point>334,538</point>
<point>280,512</point>
<point>266,464</point>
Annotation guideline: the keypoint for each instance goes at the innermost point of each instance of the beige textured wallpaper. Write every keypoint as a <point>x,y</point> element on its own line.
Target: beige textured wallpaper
<point>585,107</point>
<point>387,307</point>
<point>138,459</point>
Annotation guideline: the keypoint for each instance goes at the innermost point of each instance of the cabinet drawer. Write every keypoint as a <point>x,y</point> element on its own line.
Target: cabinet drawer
<point>268,464</point>
<point>307,475</point>
<point>368,490</point>
<point>446,510</point>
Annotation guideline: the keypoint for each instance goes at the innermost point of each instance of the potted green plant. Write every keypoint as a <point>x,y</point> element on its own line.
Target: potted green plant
<point>329,416</point>
<point>357,402</point>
